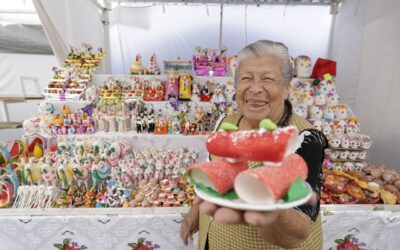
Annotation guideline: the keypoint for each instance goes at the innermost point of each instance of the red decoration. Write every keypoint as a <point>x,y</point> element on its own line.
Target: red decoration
<point>322,67</point>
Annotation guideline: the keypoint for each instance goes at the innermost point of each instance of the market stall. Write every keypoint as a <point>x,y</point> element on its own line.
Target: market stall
<point>104,164</point>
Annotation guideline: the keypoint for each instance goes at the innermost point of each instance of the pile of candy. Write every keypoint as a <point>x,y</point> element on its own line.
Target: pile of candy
<point>93,172</point>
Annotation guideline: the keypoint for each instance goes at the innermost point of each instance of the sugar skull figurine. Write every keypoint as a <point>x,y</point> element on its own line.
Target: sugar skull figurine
<point>338,166</point>
<point>345,142</point>
<point>315,112</point>
<point>341,112</point>
<point>326,130</point>
<point>301,110</point>
<point>351,129</point>
<point>332,99</point>
<point>353,122</point>
<point>294,98</point>
<point>319,99</point>
<point>338,129</point>
<point>353,142</point>
<point>329,113</point>
<point>365,141</point>
<point>335,141</point>
<point>343,154</point>
<point>358,166</point>
<point>229,91</point>
<point>334,154</point>
<point>321,87</point>
<point>353,155</point>
<point>348,166</point>
<point>362,155</point>
<point>303,66</point>
<point>316,123</point>
<point>308,98</point>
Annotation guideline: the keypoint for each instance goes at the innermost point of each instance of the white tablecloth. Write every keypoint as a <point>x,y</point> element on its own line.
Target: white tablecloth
<point>116,228</point>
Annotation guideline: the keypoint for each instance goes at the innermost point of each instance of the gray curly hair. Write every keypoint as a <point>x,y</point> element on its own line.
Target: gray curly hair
<point>263,48</point>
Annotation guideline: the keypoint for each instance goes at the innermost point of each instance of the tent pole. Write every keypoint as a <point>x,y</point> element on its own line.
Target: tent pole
<point>220,26</point>
<point>334,11</point>
<point>106,32</point>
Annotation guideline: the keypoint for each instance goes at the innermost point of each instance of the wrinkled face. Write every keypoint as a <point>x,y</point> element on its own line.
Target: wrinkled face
<point>261,89</point>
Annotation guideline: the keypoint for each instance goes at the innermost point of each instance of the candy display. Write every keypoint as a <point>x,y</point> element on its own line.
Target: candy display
<point>69,82</point>
<point>370,186</point>
<point>316,100</point>
<point>208,62</point>
<point>97,172</point>
<point>263,185</point>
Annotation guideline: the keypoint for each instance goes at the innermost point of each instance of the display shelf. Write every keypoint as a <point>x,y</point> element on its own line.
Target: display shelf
<point>349,149</point>
<point>341,160</point>
<point>360,207</point>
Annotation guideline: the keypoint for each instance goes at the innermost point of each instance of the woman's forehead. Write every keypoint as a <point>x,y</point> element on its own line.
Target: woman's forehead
<point>262,64</point>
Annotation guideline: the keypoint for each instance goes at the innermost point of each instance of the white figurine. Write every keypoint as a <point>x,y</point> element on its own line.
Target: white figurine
<point>303,66</point>
<point>229,91</point>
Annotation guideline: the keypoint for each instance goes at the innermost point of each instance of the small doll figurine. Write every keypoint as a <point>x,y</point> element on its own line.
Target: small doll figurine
<point>303,66</point>
<point>195,93</point>
<point>139,122</point>
<point>121,120</point>
<point>217,97</point>
<point>185,86</point>
<point>150,122</point>
<point>229,91</point>
<point>205,93</point>
<point>171,93</point>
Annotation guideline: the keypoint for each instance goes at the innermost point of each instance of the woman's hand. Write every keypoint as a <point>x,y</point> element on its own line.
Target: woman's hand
<point>190,224</point>
<point>286,228</point>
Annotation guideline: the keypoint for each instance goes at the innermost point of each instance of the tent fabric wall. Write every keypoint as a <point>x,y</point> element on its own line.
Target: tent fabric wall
<point>367,48</point>
<point>178,30</point>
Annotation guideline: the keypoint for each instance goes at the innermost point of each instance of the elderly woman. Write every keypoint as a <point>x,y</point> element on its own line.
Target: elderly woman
<point>262,80</point>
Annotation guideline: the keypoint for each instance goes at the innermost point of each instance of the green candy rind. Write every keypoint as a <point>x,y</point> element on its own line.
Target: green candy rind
<point>230,195</point>
<point>296,191</point>
<point>226,126</point>
<point>267,124</point>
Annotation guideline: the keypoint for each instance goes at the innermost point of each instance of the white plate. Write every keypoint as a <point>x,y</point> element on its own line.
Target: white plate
<point>241,205</point>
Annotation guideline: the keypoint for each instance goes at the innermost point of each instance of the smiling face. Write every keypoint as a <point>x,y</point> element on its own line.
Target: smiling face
<point>261,89</point>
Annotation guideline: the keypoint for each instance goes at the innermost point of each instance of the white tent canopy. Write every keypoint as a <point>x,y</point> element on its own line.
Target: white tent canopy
<point>362,37</point>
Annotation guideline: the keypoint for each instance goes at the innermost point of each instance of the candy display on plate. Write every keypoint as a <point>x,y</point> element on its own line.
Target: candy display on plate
<point>276,182</point>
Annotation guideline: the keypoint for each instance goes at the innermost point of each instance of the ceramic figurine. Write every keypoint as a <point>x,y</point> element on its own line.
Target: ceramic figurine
<point>229,91</point>
<point>171,93</point>
<point>353,122</point>
<point>233,64</point>
<point>303,66</point>
<point>91,93</point>
<point>351,129</point>
<point>185,87</point>
<point>338,129</point>
<point>153,68</point>
<point>217,97</point>
<point>112,123</point>
<point>329,113</point>
<point>195,93</point>
<point>137,67</point>
<point>308,98</point>
<point>205,93</point>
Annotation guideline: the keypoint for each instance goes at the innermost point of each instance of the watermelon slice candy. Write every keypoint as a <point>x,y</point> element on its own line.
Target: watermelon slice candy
<point>33,143</point>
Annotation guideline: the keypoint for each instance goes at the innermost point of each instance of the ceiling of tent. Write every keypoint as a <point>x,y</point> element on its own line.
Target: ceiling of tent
<point>20,29</point>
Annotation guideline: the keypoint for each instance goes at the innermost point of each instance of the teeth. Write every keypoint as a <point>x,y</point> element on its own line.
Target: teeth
<point>256,102</point>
